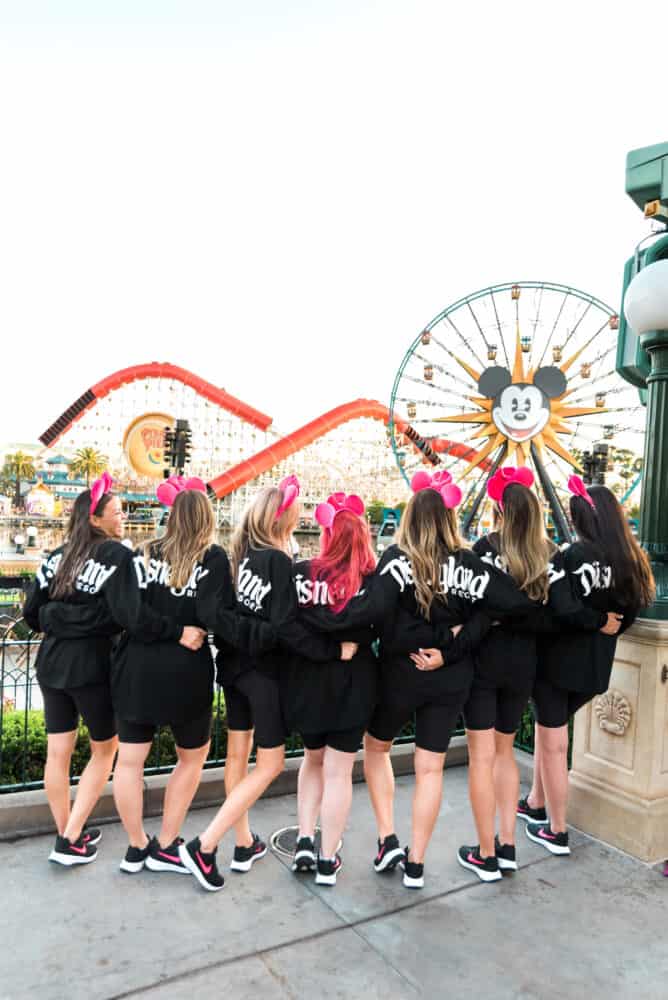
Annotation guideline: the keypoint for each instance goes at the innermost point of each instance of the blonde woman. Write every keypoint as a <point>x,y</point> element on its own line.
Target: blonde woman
<point>265,590</point>
<point>183,577</point>
<point>424,586</point>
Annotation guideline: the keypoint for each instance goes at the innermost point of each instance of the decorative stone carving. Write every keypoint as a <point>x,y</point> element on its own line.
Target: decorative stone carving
<point>613,712</point>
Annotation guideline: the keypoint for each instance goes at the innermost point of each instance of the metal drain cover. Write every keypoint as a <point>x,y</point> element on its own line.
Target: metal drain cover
<point>284,841</point>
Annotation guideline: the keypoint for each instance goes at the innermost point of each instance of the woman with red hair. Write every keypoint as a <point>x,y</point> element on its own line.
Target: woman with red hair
<point>330,704</point>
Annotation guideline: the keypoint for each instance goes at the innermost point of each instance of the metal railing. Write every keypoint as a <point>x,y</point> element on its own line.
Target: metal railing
<point>23,734</point>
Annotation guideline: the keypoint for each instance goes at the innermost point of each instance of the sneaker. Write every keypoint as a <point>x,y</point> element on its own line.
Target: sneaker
<point>328,869</point>
<point>244,857</point>
<point>413,872</point>
<point>165,859</point>
<point>541,833</point>
<point>135,859</point>
<point>203,866</point>
<point>304,859</point>
<point>72,852</point>
<point>389,854</point>
<point>505,855</point>
<point>487,869</point>
<point>91,835</point>
<point>529,815</point>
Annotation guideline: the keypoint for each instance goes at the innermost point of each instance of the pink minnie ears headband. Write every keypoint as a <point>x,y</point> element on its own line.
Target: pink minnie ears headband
<point>290,489</point>
<point>98,489</point>
<point>442,483</point>
<point>336,503</point>
<point>506,477</point>
<point>578,489</point>
<point>168,491</point>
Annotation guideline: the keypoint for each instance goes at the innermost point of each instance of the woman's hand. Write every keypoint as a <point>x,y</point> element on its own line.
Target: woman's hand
<point>348,650</point>
<point>613,624</point>
<point>428,659</point>
<point>192,637</point>
<point>456,629</point>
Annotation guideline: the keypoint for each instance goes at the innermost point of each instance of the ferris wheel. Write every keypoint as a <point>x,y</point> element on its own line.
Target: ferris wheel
<point>520,374</point>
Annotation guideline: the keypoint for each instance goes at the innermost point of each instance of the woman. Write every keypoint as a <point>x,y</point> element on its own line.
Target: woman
<point>186,578</point>
<point>330,704</point>
<point>265,590</point>
<point>94,576</point>
<point>423,586</point>
<point>605,568</point>
<point>505,669</point>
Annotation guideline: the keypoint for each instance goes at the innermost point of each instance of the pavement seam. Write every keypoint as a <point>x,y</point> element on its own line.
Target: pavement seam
<point>345,924</point>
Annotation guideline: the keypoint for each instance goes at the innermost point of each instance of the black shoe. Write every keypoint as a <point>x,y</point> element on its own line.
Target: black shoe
<point>203,866</point>
<point>244,857</point>
<point>72,852</point>
<point>413,872</point>
<point>304,859</point>
<point>165,859</point>
<point>389,854</point>
<point>91,835</point>
<point>505,855</point>
<point>135,859</point>
<point>529,815</point>
<point>541,833</point>
<point>328,870</point>
<point>487,869</point>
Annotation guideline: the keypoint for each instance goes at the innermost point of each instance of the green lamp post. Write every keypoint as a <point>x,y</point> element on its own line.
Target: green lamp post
<point>642,356</point>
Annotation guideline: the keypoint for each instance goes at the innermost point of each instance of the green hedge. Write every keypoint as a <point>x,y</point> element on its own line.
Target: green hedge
<point>26,733</point>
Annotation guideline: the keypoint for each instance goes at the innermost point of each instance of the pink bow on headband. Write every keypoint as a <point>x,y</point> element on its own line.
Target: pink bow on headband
<point>290,489</point>
<point>168,491</point>
<point>505,477</point>
<point>98,489</point>
<point>442,483</point>
<point>337,502</point>
<point>578,489</point>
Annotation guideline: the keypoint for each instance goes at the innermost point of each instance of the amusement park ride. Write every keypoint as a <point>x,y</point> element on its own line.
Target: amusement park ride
<point>525,374</point>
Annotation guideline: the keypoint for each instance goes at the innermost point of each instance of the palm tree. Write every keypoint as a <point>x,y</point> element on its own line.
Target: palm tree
<point>17,467</point>
<point>88,462</point>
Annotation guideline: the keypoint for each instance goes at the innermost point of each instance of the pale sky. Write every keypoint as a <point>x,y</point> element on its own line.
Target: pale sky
<point>279,196</point>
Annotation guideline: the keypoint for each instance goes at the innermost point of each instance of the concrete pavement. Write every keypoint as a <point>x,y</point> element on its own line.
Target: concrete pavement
<point>592,925</point>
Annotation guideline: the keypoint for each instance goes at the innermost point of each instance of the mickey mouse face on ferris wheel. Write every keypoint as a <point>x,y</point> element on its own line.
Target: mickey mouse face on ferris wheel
<point>521,409</point>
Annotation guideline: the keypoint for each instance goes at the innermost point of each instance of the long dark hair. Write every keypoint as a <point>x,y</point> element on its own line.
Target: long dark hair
<point>82,539</point>
<point>605,527</point>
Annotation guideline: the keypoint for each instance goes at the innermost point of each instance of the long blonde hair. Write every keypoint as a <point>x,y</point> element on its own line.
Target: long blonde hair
<point>428,534</point>
<point>525,549</point>
<point>191,530</point>
<point>261,529</point>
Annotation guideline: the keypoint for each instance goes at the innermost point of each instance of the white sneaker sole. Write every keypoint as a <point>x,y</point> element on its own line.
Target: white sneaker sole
<point>305,861</point>
<point>507,866</point>
<point>245,866</point>
<point>132,867</point>
<point>413,883</point>
<point>192,867</point>
<point>480,872</point>
<point>389,860</point>
<point>163,866</point>
<point>548,845</point>
<point>96,841</point>
<point>530,819</point>
<point>68,861</point>
<point>327,879</point>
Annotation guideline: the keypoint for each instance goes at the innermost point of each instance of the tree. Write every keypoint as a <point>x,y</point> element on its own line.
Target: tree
<point>374,511</point>
<point>16,468</point>
<point>88,463</point>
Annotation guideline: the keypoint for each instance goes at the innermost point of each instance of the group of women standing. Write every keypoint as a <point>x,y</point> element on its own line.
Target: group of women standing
<point>336,648</point>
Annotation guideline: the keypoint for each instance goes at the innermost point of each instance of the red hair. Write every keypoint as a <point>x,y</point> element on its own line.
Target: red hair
<point>346,557</point>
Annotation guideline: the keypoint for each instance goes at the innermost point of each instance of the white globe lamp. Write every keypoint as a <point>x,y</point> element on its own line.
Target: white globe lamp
<point>646,299</point>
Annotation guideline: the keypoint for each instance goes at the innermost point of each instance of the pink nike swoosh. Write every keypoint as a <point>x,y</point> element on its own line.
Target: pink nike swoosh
<point>473,860</point>
<point>79,850</point>
<point>546,836</point>
<point>207,869</point>
<point>170,857</point>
